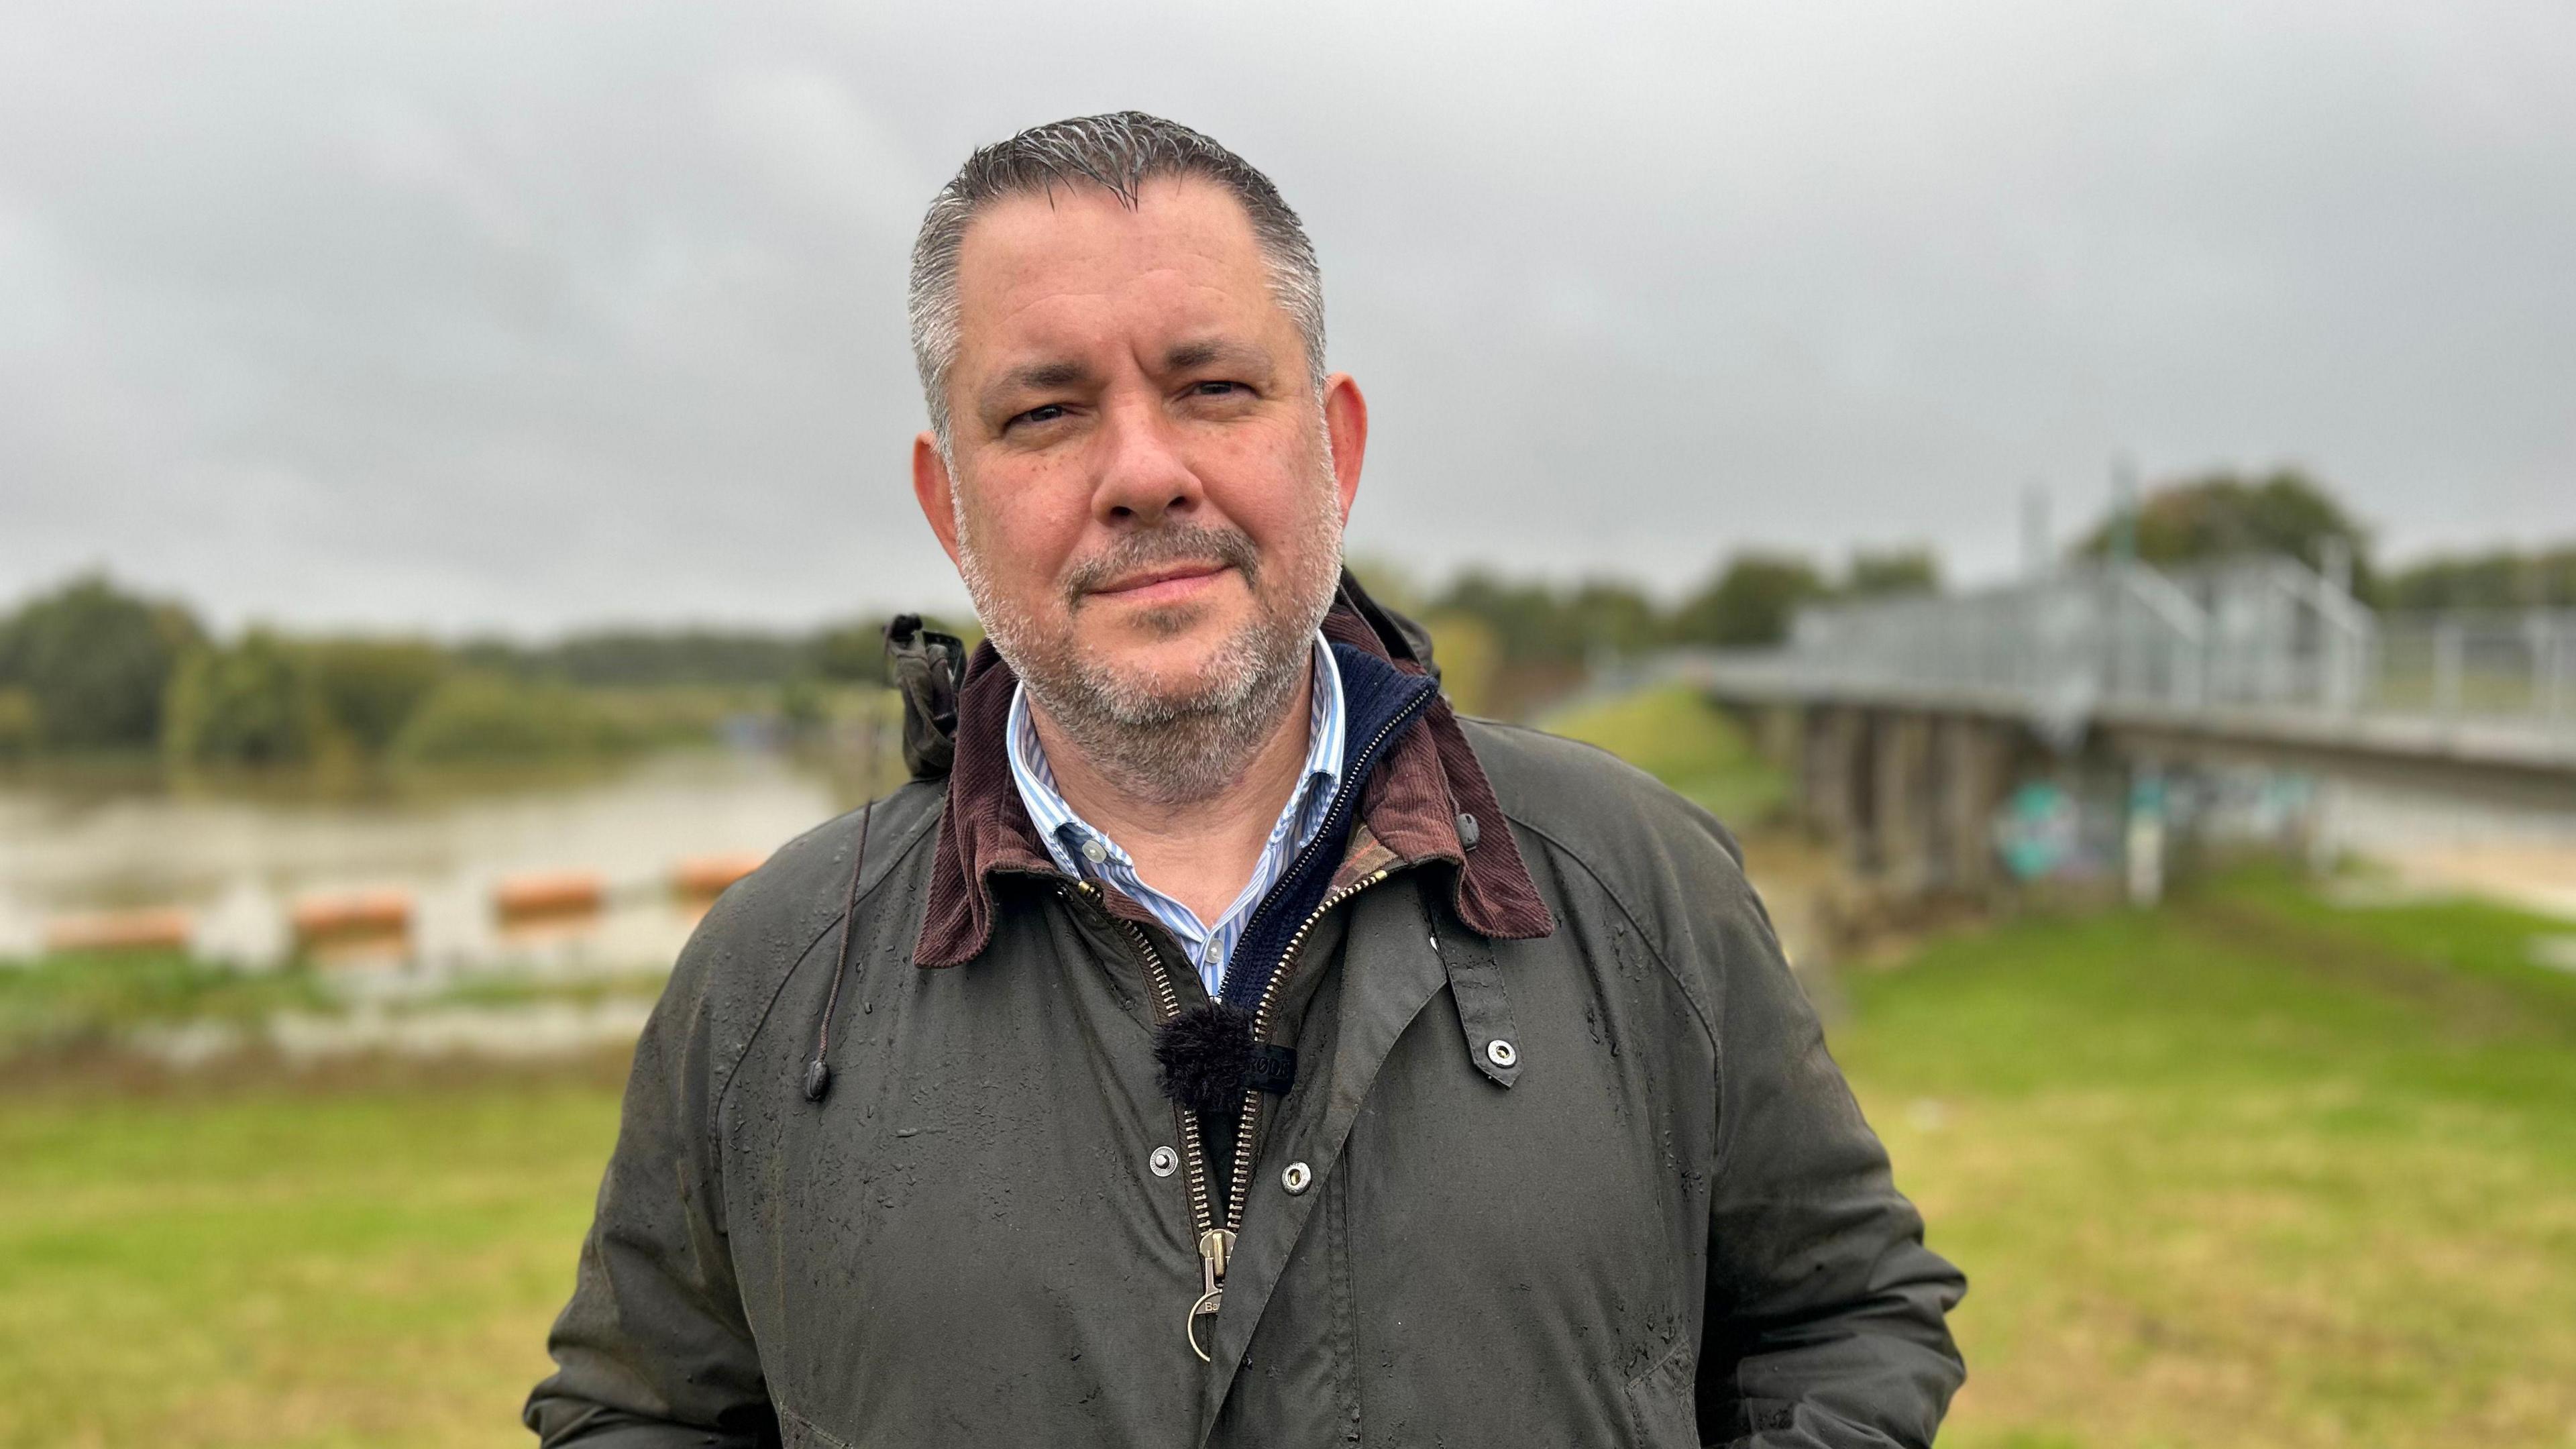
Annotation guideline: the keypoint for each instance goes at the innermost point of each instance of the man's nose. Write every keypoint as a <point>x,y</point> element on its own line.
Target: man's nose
<point>1143,476</point>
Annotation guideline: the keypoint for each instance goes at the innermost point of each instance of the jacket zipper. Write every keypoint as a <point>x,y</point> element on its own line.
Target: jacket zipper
<point>1216,1244</point>
<point>1239,1187</point>
<point>1246,1137</point>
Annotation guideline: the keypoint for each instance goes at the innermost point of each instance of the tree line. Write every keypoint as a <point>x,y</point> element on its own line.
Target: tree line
<point>90,667</point>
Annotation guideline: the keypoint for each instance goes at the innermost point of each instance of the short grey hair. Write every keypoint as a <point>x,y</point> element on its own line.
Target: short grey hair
<point>1118,153</point>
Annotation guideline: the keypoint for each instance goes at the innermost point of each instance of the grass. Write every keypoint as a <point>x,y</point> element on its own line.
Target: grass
<point>1680,738</point>
<point>75,1000</point>
<point>69,1003</point>
<point>279,1267</point>
<point>2250,1170</point>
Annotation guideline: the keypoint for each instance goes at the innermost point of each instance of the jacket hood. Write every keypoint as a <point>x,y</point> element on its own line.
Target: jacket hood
<point>1429,802</point>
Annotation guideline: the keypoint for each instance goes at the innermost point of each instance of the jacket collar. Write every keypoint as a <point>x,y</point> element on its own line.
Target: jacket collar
<point>1411,803</point>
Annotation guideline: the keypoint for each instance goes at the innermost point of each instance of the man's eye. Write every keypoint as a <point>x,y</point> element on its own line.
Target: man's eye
<point>1046,414</point>
<point>1215,389</point>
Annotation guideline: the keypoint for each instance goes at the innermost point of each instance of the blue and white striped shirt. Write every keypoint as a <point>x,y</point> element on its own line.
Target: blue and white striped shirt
<point>1081,850</point>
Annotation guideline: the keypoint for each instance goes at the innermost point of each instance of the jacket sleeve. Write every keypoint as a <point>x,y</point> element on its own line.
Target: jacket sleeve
<point>654,1350</point>
<point>1825,1320</point>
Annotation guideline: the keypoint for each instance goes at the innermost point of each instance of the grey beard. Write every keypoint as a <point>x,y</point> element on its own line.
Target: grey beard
<point>1170,750</point>
<point>1179,751</point>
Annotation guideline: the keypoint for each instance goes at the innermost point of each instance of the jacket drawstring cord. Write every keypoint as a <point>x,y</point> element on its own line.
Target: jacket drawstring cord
<point>818,1073</point>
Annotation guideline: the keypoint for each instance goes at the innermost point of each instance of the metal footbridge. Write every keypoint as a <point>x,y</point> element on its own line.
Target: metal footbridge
<point>2255,660</point>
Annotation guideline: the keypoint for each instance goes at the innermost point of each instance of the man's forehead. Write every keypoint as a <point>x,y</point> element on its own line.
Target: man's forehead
<point>1057,265</point>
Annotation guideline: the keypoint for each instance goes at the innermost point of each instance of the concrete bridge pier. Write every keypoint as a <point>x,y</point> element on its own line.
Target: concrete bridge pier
<point>1974,773</point>
<point>1903,817</point>
<point>1832,772</point>
<point>1909,796</point>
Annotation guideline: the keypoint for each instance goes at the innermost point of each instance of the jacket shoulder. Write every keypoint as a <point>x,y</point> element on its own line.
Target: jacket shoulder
<point>765,922</point>
<point>1669,865</point>
<point>1589,800</point>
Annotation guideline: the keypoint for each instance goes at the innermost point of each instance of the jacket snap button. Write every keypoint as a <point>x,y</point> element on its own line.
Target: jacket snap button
<point>1297,1178</point>
<point>1165,1162</point>
<point>1467,831</point>
<point>1501,1053</point>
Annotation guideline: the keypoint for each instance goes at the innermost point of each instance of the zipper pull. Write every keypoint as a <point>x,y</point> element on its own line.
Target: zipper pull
<point>1215,1245</point>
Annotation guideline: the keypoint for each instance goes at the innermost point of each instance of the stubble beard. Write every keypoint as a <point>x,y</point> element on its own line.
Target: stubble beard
<point>1162,745</point>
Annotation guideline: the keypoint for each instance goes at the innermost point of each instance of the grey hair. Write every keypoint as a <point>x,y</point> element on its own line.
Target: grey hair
<point>1118,153</point>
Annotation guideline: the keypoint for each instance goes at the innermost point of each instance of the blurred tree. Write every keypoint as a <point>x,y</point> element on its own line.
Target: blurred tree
<point>475,718</point>
<point>1389,582</point>
<point>95,662</point>
<point>1527,618</point>
<point>802,707</point>
<point>2503,579</point>
<point>1608,614</point>
<point>852,653</point>
<point>371,687</point>
<point>256,703</point>
<point>19,734</point>
<point>1749,602</point>
<point>1897,571</point>
<point>685,656</point>
<point>2225,515</point>
<point>1470,660</point>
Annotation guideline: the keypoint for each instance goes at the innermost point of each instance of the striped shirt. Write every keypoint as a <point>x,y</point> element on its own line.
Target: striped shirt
<point>1080,850</point>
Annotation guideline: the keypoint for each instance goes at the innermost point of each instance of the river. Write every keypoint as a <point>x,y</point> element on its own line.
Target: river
<point>239,865</point>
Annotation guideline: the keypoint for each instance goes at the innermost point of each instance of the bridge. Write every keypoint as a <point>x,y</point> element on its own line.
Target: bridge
<point>2190,696</point>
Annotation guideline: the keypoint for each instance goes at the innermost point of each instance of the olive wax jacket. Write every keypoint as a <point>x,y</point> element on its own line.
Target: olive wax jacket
<point>1563,1159</point>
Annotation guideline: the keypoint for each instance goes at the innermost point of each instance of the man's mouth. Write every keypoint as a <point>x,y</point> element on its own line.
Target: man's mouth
<point>1162,583</point>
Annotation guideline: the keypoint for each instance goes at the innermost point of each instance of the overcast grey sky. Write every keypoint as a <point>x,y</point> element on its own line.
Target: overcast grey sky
<point>466,315</point>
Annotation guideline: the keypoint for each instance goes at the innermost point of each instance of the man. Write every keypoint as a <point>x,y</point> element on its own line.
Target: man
<point>1221,1042</point>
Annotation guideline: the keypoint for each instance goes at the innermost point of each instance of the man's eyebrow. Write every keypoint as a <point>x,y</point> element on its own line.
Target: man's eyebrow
<point>1035,377</point>
<point>1186,355</point>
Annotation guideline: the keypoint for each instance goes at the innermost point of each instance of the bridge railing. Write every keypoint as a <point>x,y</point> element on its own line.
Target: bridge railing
<point>2267,636</point>
<point>2478,665</point>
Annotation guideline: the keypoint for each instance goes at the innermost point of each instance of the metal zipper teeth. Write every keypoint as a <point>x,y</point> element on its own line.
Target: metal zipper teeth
<point>1167,1004</point>
<point>1244,1138</point>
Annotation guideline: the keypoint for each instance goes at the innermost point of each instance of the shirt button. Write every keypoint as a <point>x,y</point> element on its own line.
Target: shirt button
<point>1165,1162</point>
<point>1094,851</point>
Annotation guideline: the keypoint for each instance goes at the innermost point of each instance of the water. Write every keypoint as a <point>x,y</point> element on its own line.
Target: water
<point>238,864</point>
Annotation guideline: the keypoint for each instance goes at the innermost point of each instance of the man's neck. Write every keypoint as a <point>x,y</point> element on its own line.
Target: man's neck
<point>1198,852</point>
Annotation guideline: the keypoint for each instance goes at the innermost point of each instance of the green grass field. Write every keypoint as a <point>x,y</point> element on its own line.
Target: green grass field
<point>283,1266</point>
<point>2248,1170</point>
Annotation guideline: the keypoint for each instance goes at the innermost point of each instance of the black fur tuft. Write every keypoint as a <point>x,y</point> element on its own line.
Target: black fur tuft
<point>1204,1055</point>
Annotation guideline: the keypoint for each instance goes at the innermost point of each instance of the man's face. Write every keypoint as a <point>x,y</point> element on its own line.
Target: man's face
<point>1143,499</point>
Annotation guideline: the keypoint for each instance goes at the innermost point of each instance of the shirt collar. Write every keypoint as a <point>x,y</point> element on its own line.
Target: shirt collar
<point>1063,831</point>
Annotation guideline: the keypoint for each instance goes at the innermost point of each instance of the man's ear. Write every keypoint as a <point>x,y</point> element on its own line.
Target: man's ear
<point>1346,423</point>
<point>935,491</point>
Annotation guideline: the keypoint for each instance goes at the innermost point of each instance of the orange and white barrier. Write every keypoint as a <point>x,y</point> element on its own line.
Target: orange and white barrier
<point>704,877</point>
<point>154,929</point>
<point>550,895</point>
<point>362,919</point>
